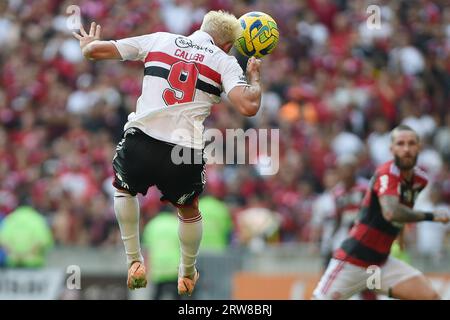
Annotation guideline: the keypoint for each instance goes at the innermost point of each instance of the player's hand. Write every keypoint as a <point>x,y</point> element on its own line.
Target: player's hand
<point>442,216</point>
<point>253,69</point>
<point>85,39</point>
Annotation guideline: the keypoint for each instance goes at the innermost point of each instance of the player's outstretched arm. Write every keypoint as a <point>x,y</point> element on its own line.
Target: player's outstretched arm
<point>247,99</point>
<point>92,47</point>
<point>394,211</point>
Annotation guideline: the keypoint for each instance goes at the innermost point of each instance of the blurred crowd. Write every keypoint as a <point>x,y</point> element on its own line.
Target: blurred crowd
<point>334,86</point>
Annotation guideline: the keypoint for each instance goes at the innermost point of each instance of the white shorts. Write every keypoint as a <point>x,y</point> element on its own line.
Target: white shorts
<point>342,279</point>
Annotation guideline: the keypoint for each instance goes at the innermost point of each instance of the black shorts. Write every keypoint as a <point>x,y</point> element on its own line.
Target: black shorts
<point>142,161</point>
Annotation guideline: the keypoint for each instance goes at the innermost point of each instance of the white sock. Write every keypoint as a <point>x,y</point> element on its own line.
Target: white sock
<point>126,208</point>
<point>190,234</point>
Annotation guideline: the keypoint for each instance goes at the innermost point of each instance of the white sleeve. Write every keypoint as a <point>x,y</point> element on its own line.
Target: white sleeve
<point>135,48</point>
<point>232,75</point>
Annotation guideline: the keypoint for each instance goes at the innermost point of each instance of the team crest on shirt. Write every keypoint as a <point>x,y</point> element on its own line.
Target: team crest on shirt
<point>407,195</point>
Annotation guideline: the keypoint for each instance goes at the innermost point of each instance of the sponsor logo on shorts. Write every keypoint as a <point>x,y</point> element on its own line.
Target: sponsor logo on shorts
<point>203,176</point>
<point>120,145</point>
<point>185,197</point>
<point>123,184</point>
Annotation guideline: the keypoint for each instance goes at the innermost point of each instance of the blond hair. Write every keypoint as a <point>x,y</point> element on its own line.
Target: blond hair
<point>222,26</point>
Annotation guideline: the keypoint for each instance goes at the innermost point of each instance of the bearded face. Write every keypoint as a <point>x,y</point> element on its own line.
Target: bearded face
<point>405,149</point>
<point>406,163</point>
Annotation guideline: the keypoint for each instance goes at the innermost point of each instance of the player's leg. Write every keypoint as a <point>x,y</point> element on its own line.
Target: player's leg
<point>415,288</point>
<point>340,281</point>
<point>401,281</point>
<point>126,206</point>
<point>190,232</point>
<point>182,184</point>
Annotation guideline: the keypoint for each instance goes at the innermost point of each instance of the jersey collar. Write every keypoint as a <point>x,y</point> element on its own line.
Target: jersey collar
<point>202,36</point>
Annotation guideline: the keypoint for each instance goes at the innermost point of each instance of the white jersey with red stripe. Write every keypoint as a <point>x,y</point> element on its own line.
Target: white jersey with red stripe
<point>183,78</point>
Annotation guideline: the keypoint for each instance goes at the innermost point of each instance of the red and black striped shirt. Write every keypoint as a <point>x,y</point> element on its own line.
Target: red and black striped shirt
<point>371,238</point>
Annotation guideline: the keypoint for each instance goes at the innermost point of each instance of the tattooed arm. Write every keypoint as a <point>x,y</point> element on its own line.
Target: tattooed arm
<point>247,98</point>
<point>394,211</point>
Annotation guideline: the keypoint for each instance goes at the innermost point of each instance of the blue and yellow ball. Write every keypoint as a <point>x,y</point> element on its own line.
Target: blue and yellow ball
<point>260,34</point>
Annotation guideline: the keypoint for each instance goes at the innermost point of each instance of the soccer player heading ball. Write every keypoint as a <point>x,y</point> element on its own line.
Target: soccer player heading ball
<point>183,78</point>
<point>387,205</point>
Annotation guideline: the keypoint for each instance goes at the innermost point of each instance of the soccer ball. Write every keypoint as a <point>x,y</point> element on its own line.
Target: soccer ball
<point>260,34</point>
